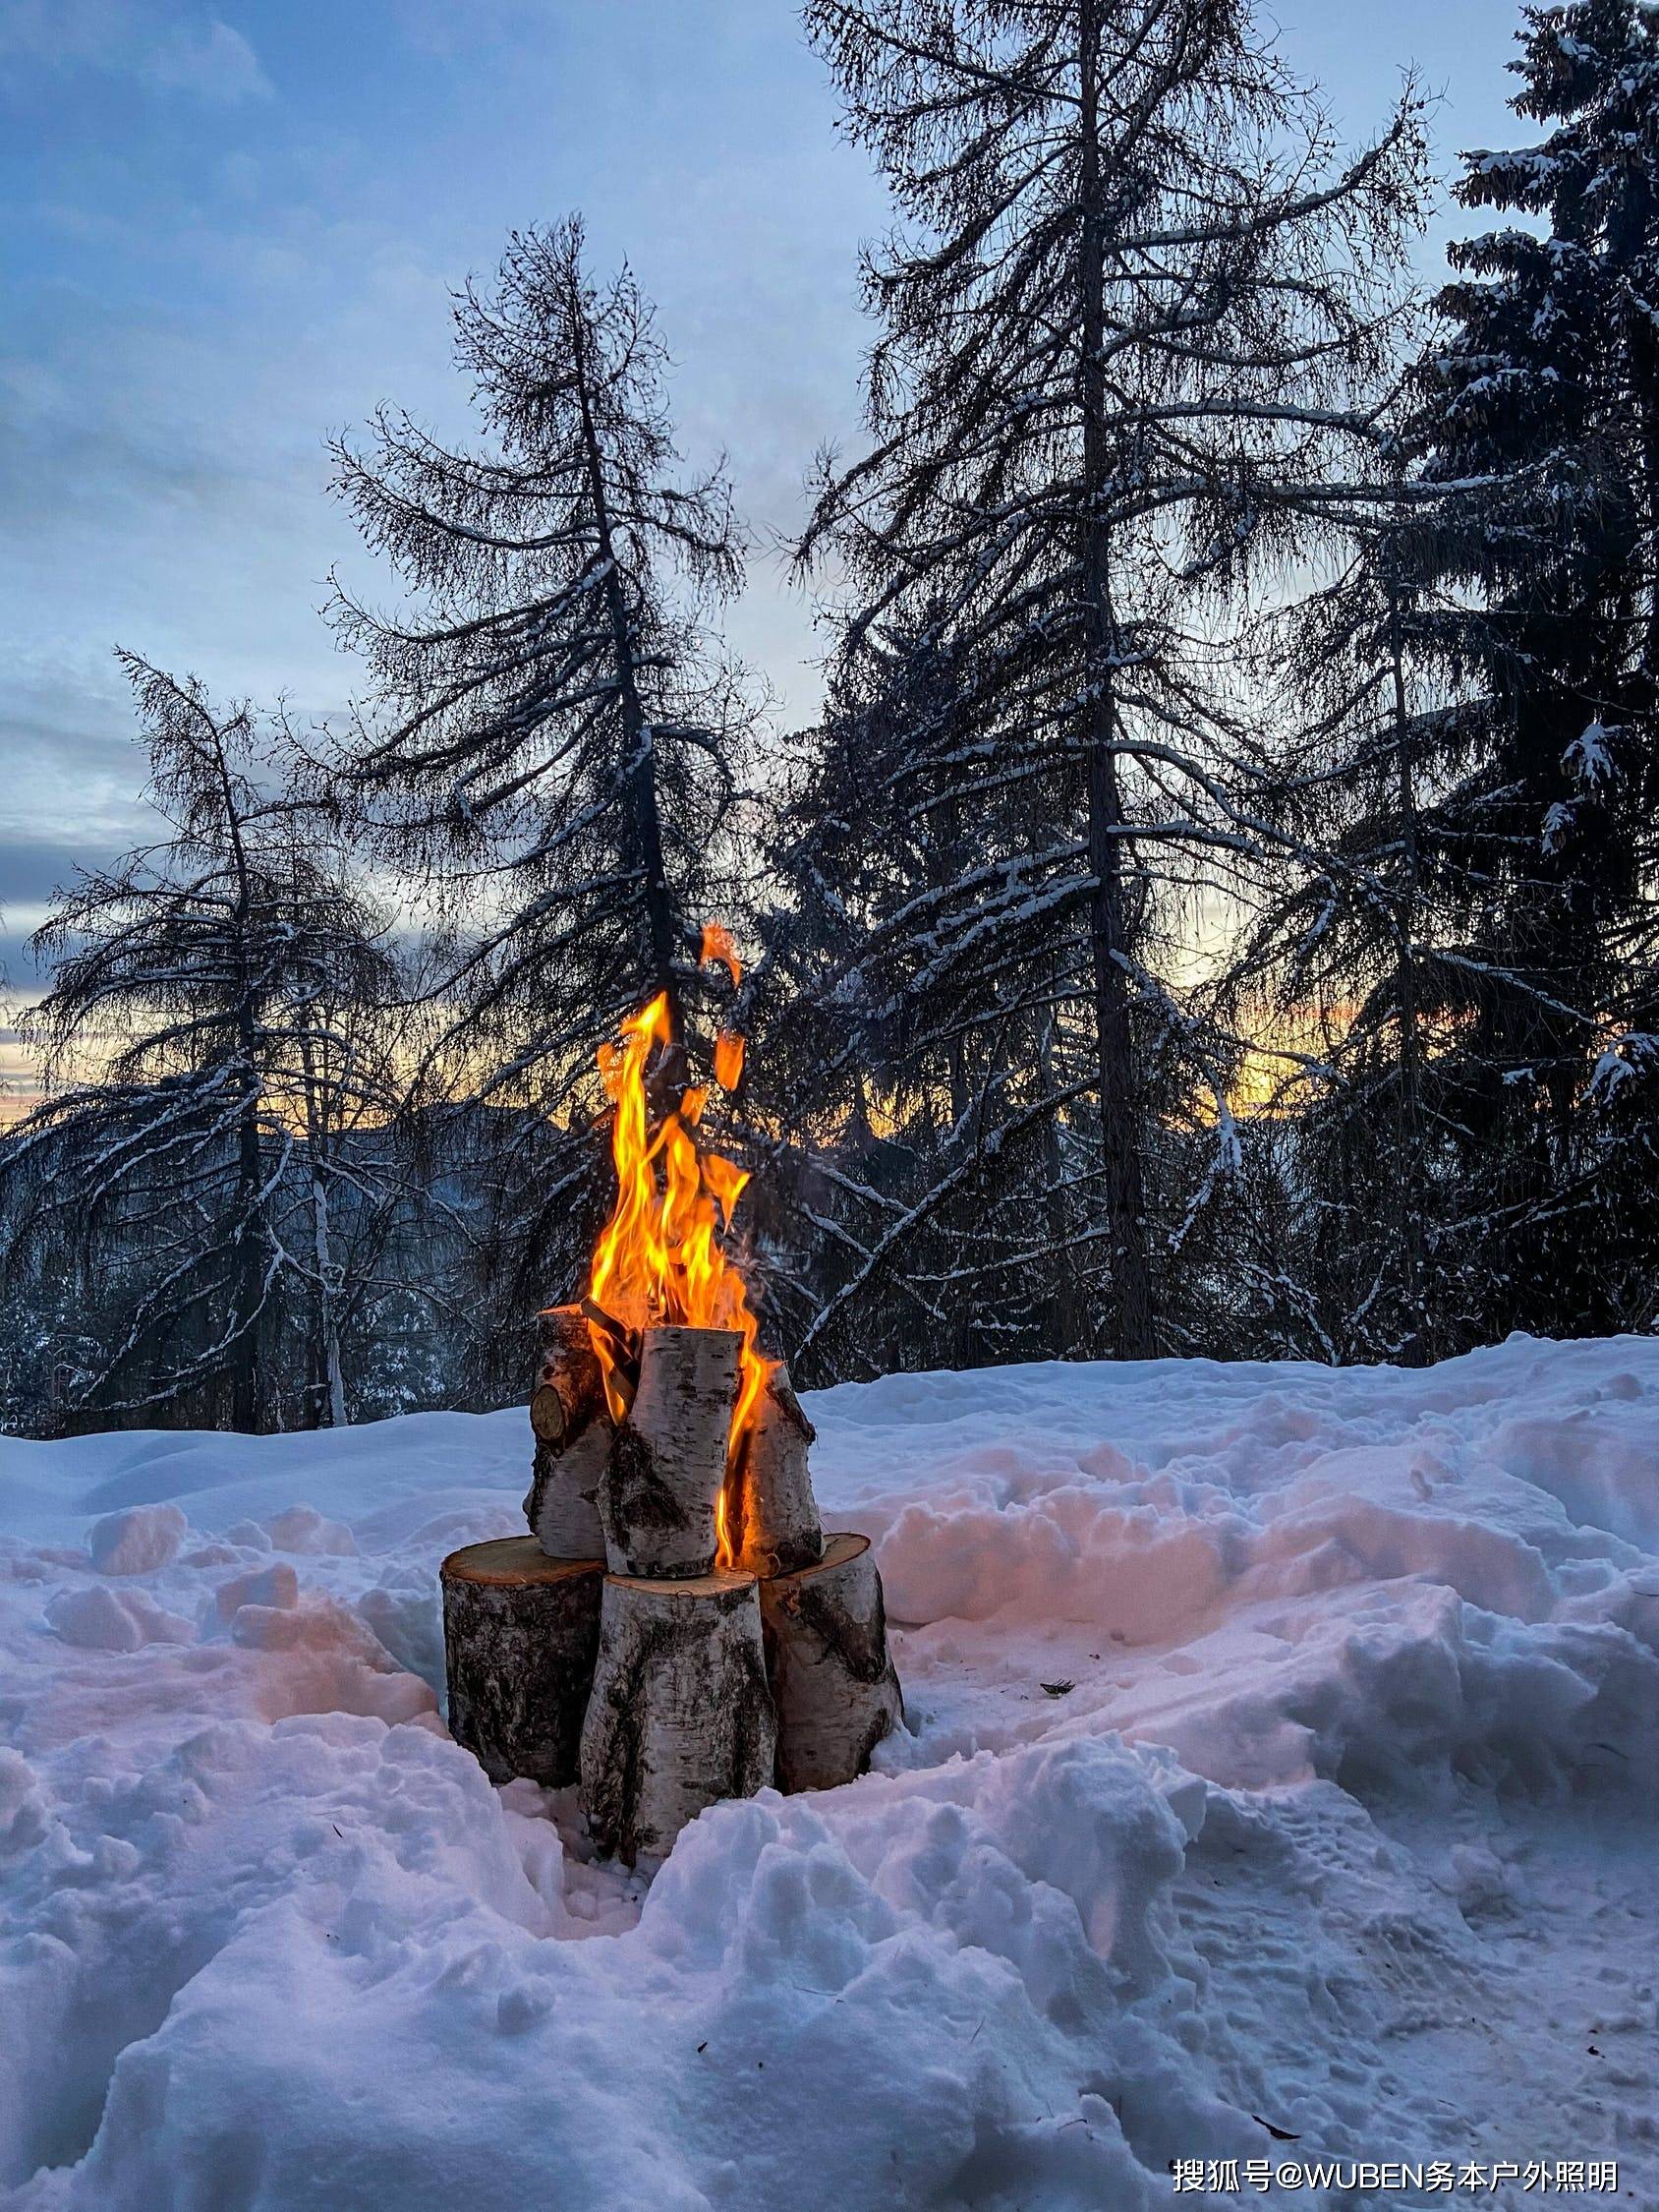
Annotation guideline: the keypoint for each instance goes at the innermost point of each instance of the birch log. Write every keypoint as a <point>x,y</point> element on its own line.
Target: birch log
<point>521,1634</point>
<point>827,1654</point>
<point>776,1525</point>
<point>680,1715</point>
<point>573,1439</point>
<point>669,1462</point>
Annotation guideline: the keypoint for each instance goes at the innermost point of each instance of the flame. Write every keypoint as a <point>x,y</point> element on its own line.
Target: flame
<point>728,1059</point>
<point>717,945</point>
<point>659,1256</point>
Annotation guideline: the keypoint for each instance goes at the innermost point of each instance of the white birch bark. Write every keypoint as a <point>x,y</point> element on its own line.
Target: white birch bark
<point>669,1462</point>
<point>680,1715</point>
<point>833,1680</point>
<point>573,1439</point>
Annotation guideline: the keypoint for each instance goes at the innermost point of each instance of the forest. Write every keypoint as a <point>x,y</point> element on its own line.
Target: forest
<point>1214,914</point>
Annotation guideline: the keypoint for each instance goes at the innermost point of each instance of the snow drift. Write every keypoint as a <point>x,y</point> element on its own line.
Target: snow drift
<point>1281,1785</point>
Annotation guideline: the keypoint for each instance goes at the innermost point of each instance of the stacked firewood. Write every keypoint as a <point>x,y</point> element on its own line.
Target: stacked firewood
<point>612,1647</point>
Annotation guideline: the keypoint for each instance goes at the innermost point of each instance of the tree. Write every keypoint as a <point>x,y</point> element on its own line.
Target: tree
<point>1126,345</point>
<point>202,1049</point>
<point>554,752</point>
<point>1542,402</point>
<point>1477,776</point>
<point>1339,955</point>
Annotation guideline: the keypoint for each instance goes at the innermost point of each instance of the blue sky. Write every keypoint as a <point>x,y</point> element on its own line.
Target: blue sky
<point>229,229</point>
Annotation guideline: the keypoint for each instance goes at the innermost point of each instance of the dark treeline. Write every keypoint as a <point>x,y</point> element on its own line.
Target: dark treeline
<point>1214,912</point>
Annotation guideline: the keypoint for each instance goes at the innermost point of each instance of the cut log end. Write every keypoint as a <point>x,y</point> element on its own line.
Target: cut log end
<point>833,1679</point>
<point>681,1716</point>
<point>521,1635</point>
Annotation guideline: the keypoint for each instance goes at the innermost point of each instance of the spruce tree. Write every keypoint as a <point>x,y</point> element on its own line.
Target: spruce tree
<point>1537,421</point>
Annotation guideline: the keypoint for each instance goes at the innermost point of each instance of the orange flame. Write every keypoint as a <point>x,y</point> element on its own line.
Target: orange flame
<point>659,1256</point>
<point>728,1059</point>
<point>717,945</point>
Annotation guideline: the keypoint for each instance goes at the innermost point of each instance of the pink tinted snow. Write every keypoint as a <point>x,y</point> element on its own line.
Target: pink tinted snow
<point>1284,1750</point>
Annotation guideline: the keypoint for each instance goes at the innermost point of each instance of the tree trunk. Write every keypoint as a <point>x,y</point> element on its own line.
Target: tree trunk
<point>329,1379</point>
<point>637,738</point>
<point>249,1274</point>
<point>1418,1349</point>
<point>831,1679</point>
<point>573,1439</point>
<point>1121,1166</point>
<point>775,1525</point>
<point>669,1463</point>
<point>680,1715</point>
<point>520,1635</point>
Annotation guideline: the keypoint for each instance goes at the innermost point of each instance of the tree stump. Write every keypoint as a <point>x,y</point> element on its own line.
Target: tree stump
<point>573,1439</point>
<point>776,1525</point>
<point>827,1654</point>
<point>680,1715</point>
<point>520,1633</point>
<point>668,1461</point>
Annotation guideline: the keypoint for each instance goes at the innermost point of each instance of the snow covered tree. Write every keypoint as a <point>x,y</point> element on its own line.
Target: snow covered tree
<point>554,749</point>
<point>1544,399</point>
<point>205,1038</point>
<point>1477,776</point>
<point>1125,341</point>
<point>1340,956</point>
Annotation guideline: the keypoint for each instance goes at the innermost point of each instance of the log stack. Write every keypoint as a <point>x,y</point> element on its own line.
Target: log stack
<point>628,1649</point>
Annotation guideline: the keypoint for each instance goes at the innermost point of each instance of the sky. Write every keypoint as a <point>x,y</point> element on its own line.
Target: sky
<point>229,230</point>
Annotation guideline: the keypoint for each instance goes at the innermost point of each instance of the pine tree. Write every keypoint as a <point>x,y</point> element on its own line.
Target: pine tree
<point>1123,344</point>
<point>554,749</point>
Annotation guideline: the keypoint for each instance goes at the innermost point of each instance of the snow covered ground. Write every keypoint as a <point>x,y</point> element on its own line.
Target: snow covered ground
<point>1283,1786</point>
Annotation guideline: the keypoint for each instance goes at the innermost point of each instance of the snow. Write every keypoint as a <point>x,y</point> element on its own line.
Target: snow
<point>1284,1754</point>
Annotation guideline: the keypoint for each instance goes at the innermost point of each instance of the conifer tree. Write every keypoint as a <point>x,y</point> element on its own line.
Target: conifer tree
<point>1543,402</point>
<point>552,748</point>
<point>202,1040</point>
<point>1477,772</point>
<point>1125,336</point>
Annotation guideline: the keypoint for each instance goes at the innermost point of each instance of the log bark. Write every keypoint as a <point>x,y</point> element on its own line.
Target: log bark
<point>573,1439</point>
<point>775,1527</point>
<point>680,1715</point>
<point>521,1634</point>
<point>833,1680</point>
<point>669,1462</point>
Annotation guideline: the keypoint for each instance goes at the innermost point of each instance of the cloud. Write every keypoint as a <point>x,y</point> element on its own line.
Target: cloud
<point>199,57</point>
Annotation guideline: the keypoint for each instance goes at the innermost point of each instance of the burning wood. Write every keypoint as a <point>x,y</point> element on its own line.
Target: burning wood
<point>661,1497</point>
<point>666,1439</point>
<point>775,1521</point>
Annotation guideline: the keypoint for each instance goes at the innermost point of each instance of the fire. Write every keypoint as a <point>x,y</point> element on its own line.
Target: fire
<point>659,1257</point>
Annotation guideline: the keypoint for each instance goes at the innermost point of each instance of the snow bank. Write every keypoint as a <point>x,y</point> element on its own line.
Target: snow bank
<point>1283,1758</point>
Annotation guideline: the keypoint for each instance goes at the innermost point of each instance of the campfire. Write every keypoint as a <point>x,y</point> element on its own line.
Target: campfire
<point>676,1628</point>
